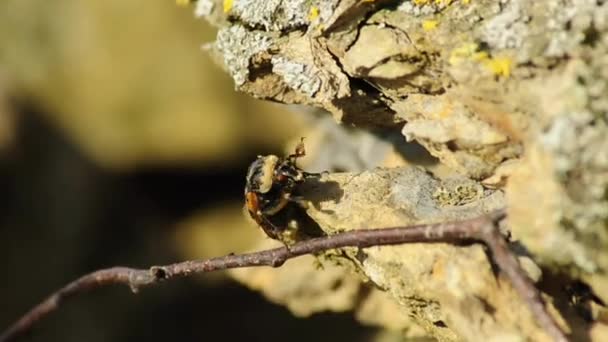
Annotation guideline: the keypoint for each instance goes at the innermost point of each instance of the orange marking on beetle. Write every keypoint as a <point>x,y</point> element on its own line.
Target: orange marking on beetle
<point>253,205</point>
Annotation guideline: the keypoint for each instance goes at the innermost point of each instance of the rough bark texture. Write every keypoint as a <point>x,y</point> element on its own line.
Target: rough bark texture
<point>511,94</point>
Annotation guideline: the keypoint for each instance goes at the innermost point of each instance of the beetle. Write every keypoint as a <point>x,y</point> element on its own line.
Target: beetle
<point>271,183</point>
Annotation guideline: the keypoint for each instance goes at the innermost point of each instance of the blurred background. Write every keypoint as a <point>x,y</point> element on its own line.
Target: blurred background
<point>122,143</point>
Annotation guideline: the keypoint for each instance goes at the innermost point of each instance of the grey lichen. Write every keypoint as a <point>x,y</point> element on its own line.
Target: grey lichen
<point>579,145</point>
<point>411,8</point>
<point>551,29</point>
<point>297,76</point>
<point>204,8</point>
<point>455,192</point>
<point>238,45</point>
<point>508,29</point>
<point>273,15</point>
<point>575,143</point>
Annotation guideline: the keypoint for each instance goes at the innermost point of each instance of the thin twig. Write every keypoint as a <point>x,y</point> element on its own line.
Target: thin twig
<point>482,229</point>
<point>508,264</point>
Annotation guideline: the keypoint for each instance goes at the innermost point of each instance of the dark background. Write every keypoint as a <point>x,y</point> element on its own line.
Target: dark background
<point>115,129</point>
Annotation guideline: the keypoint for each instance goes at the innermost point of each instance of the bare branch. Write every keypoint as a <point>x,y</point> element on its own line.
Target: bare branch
<point>507,263</point>
<point>481,229</point>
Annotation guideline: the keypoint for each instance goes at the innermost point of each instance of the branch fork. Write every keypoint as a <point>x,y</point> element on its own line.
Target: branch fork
<point>483,229</point>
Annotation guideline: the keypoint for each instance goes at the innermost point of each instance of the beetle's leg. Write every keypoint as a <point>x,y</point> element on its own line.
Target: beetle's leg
<point>286,245</point>
<point>314,174</point>
<point>299,152</point>
<point>300,201</point>
<point>271,230</point>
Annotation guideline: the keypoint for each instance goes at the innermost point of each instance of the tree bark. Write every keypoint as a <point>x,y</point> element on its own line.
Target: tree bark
<point>512,94</point>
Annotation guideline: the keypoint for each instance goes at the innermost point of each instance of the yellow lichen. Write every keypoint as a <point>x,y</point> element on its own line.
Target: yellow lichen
<point>437,2</point>
<point>228,5</point>
<point>429,25</point>
<point>313,13</point>
<point>182,2</point>
<point>466,2</point>
<point>463,52</point>
<point>480,56</point>
<point>499,66</point>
